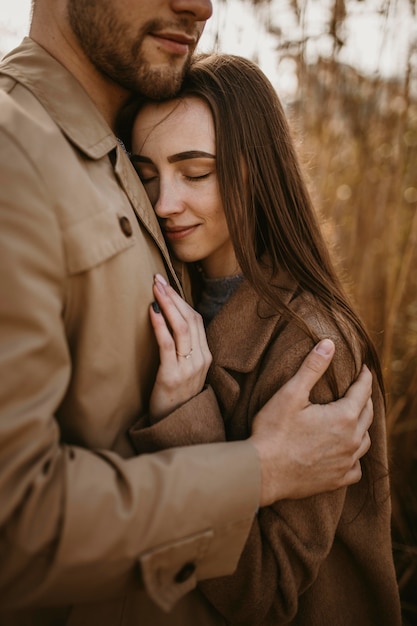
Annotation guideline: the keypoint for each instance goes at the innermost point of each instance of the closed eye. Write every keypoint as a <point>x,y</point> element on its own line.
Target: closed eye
<point>195,178</point>
<point>148,179</point>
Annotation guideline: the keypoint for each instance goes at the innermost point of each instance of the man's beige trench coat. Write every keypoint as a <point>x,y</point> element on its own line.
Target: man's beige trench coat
<point>83,526</point>
<point>321,561</point>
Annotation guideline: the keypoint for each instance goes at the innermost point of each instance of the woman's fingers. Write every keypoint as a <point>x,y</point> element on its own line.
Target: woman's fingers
<point>184,322</point>
<point>184,354</point>
<point>163,336</point>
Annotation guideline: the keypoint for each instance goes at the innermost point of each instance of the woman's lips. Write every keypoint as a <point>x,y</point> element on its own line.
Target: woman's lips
<point>180,232</point>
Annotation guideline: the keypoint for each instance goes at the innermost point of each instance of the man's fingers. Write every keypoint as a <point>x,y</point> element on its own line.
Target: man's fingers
<point>352,476</point>
<point>365,445</point>
<point>361,389</point>
<point>366,416</point>
<point>314,366</point>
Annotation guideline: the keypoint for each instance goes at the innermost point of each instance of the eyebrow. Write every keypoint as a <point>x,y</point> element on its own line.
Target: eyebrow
<point>181,156</point>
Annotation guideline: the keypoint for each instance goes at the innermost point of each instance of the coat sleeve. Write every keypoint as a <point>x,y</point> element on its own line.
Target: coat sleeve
<point>289,540</point>
<point>76,524</point>
<point>197,421</point>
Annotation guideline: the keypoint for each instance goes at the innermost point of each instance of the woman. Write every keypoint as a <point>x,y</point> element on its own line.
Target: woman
<point>221,171</point>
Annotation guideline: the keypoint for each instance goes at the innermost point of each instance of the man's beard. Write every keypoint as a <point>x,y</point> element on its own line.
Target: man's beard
<point>110,47</point>
<point>158,83</point>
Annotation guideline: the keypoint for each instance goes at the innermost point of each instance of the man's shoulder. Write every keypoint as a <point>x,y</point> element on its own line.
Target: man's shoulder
<point>21,112</point>
<point>25,124</point>
<point>7,84</point>
<point>50,97</point>
<point>17,102</point>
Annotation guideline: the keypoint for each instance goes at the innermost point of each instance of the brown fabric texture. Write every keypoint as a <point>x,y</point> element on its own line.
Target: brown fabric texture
<point>314,562</point>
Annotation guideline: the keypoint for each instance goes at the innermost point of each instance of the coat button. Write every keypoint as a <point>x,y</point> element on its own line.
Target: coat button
<point>185,573</point>
<point>126,226</point>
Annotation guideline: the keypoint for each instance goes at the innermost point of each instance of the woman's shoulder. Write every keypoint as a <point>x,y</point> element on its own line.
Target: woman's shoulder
<point>294,337</point>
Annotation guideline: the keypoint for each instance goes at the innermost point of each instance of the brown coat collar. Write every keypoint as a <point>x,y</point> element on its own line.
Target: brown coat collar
<point>240,346</point>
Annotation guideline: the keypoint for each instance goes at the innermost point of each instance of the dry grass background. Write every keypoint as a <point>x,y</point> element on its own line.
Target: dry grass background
<point>359,141</point>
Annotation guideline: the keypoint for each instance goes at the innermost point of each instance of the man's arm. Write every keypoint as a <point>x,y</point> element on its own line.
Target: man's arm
<point>309,449</point>
<point>314,447</point>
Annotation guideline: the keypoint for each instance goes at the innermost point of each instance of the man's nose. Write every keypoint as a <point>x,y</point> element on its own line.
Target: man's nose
<point>201,9</point>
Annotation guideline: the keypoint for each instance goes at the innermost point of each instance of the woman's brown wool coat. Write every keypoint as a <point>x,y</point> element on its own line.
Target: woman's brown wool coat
<point>321,561</point>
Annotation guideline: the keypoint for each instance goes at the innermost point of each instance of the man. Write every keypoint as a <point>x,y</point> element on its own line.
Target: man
<point>85,526</point>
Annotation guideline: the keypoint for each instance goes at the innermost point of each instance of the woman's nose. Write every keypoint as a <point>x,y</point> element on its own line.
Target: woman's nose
<point>169,201</point>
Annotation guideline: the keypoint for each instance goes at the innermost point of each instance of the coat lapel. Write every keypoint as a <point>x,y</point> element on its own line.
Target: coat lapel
<point>243,328</point>
<point>238,336</point>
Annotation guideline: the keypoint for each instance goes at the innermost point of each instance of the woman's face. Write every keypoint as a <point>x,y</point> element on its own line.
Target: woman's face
<point>175,156</point>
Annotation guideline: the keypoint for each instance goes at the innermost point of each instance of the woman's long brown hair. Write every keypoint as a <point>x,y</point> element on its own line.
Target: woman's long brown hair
<point>266,202</point>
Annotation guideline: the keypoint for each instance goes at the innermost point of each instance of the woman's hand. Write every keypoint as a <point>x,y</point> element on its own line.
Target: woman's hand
<point>184,354</point>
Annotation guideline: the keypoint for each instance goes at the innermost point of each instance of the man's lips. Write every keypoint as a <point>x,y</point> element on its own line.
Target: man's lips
<point>175,233</point>
<point>175,43</point>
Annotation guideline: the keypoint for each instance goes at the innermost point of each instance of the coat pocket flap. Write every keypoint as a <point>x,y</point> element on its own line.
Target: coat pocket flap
<point>96,239</point>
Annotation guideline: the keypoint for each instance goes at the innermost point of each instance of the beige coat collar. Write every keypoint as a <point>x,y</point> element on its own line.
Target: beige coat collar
<point>63,97</point>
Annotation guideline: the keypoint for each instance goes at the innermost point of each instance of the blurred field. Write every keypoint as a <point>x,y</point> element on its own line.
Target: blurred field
<point>358,139</point>
<point>360,143</point>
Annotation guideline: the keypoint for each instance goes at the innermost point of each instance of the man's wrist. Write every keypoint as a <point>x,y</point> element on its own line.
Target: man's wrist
<point>270,479</point>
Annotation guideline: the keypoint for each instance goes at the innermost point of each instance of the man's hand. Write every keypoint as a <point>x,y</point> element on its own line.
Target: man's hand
<point>309,448</point>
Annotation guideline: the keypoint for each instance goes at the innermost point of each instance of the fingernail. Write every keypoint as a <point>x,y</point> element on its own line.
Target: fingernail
<point>155,307</point>
<point>325,347</point>
<point>160,279</point>
<point>160,287</point>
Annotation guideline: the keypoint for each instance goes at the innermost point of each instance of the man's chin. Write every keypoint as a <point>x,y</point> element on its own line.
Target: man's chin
<point>161,85</point>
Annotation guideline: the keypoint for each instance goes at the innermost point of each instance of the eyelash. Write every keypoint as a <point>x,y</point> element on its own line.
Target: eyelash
<point>189,178</point>
<point>194,178</point>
